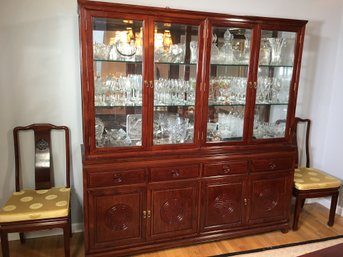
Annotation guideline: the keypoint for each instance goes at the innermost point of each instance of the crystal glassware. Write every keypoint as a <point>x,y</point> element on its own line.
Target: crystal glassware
<point>276,45</point>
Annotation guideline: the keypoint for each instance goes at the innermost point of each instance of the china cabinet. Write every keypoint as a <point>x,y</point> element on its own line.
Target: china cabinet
<point>187,122</point>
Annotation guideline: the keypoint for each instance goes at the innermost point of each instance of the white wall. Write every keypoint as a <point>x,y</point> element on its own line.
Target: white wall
<point>40,74</point>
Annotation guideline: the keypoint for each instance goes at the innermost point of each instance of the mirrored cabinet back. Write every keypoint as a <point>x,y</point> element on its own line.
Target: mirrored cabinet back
<point>187,124</point>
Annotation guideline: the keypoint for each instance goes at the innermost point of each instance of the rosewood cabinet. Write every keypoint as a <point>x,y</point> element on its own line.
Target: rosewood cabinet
<point>187,123</point>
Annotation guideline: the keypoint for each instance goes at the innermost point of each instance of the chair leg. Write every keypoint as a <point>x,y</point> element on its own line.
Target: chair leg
<point>302,203</point>
<point>22,238</point>
<point>70,228</point>
<point>298,203</point>
<point>66,236</point>
<point>333,209</point>
<point>4,244</point>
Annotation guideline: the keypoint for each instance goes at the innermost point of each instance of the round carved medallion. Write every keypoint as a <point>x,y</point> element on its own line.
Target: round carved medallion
<point>172,211</point>
<point>118,217</point>
<point>223,205</point>
<point>268,199</point>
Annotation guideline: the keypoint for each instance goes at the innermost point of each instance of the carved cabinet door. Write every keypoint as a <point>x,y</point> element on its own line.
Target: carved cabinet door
<point>174,209</point>
<point>116,216</point>
<point>270,197</point>
<point>223,203</point>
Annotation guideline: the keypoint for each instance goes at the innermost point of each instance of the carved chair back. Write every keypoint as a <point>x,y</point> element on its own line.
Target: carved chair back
<point>307,140</point>
<point>44,177</point>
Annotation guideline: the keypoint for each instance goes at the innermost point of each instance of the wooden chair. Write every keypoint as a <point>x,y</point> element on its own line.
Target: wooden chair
<point>312,183</point>
<point>46,206</point>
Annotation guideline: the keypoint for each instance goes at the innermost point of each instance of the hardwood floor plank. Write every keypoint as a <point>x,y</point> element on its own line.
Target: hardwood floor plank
<point>312,225</point>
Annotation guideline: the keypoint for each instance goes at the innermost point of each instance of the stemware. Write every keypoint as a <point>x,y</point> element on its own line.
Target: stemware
<point>276,45</point>
<point>214,50</point>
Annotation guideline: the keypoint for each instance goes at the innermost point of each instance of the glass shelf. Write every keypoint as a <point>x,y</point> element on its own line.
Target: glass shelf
<point>176,63</point>
<point>226,104</point>
<point>261,104</point>
<point>173,105</point>
<point>276,66</point>
<point>116,106</point>
<point>230,64</point>
<point>116,61</point>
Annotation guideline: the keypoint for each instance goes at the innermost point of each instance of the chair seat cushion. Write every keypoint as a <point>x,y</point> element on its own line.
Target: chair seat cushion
<point>310,178</point>
<point>30,204</point>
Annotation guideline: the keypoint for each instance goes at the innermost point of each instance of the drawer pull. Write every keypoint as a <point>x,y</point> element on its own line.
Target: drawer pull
<point>226,169</point>
<point>272,165</point>
<point>175,173</point>
<point>117,178</point>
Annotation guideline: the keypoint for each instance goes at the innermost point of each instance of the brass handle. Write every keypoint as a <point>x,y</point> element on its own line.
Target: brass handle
<point>151,84</point>
<point>117,178</point>
<point>255,84</point>
<point>146,83</point>
<point>175,173</point>
<point>226,169</point>
<point>245,201</point>
<point>149,214</point>
<point>250,84</point>
<point>144,214</point>
<point>272,165</point>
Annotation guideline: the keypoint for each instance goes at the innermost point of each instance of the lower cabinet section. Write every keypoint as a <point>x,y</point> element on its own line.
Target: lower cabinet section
<point>174,209</point>
<point>115,216</point>
<point>224,201</point>
<point>172,205</point>
<point>270,197</point>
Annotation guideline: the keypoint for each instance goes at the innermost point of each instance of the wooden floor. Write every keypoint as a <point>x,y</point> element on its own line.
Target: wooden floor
<point>312,225</point>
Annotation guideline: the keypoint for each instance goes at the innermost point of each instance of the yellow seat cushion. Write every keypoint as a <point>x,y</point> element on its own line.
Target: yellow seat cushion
<point>30,204</point>
<point>310,178</point>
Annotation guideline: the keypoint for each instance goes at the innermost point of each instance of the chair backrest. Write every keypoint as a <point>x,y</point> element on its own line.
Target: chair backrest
<point>44,177</point>
<point>307,138</point>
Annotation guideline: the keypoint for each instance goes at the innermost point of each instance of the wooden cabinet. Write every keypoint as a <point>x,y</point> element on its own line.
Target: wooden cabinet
<point>187,123</point>
<point>116,216</point>
<point>270,197</point>
<point>224,203</point>
<point>174,210</point>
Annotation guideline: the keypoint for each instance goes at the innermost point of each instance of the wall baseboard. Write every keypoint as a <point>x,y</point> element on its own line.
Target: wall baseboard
<point>326,202</point>
<point>76,228</point>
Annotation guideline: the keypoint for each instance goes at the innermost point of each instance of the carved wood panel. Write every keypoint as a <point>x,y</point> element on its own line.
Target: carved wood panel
<point>269,197</point>
<point>223,203</point>
<point>116,216</point>
<point>174,209</point>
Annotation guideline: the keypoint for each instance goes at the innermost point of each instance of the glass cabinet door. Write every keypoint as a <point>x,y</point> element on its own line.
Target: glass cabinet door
<point>228,75</point>
<point>175,74</point>
<point>118,90</point>
<point>275,71</point>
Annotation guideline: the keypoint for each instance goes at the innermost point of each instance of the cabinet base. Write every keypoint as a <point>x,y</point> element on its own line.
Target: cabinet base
<point>127,250</point>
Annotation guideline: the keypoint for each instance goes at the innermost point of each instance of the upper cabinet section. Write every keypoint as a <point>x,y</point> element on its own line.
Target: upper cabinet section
<point>118,89</point>
<point>175,81</point>
<point>275,73</point>
<point>162,79</point>
<point>229,62</point>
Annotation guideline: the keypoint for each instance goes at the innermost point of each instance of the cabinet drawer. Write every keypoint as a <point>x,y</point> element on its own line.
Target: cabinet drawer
<point>271,164</point>
<point>225,168</point>
<point>172,173</point>
<point>114,178</point>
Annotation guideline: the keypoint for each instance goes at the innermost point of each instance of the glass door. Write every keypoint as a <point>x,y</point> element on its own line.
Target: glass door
<point>275,71</point>
<point>230,53</point>
<point>176,57</point>
<point>118,92</point>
